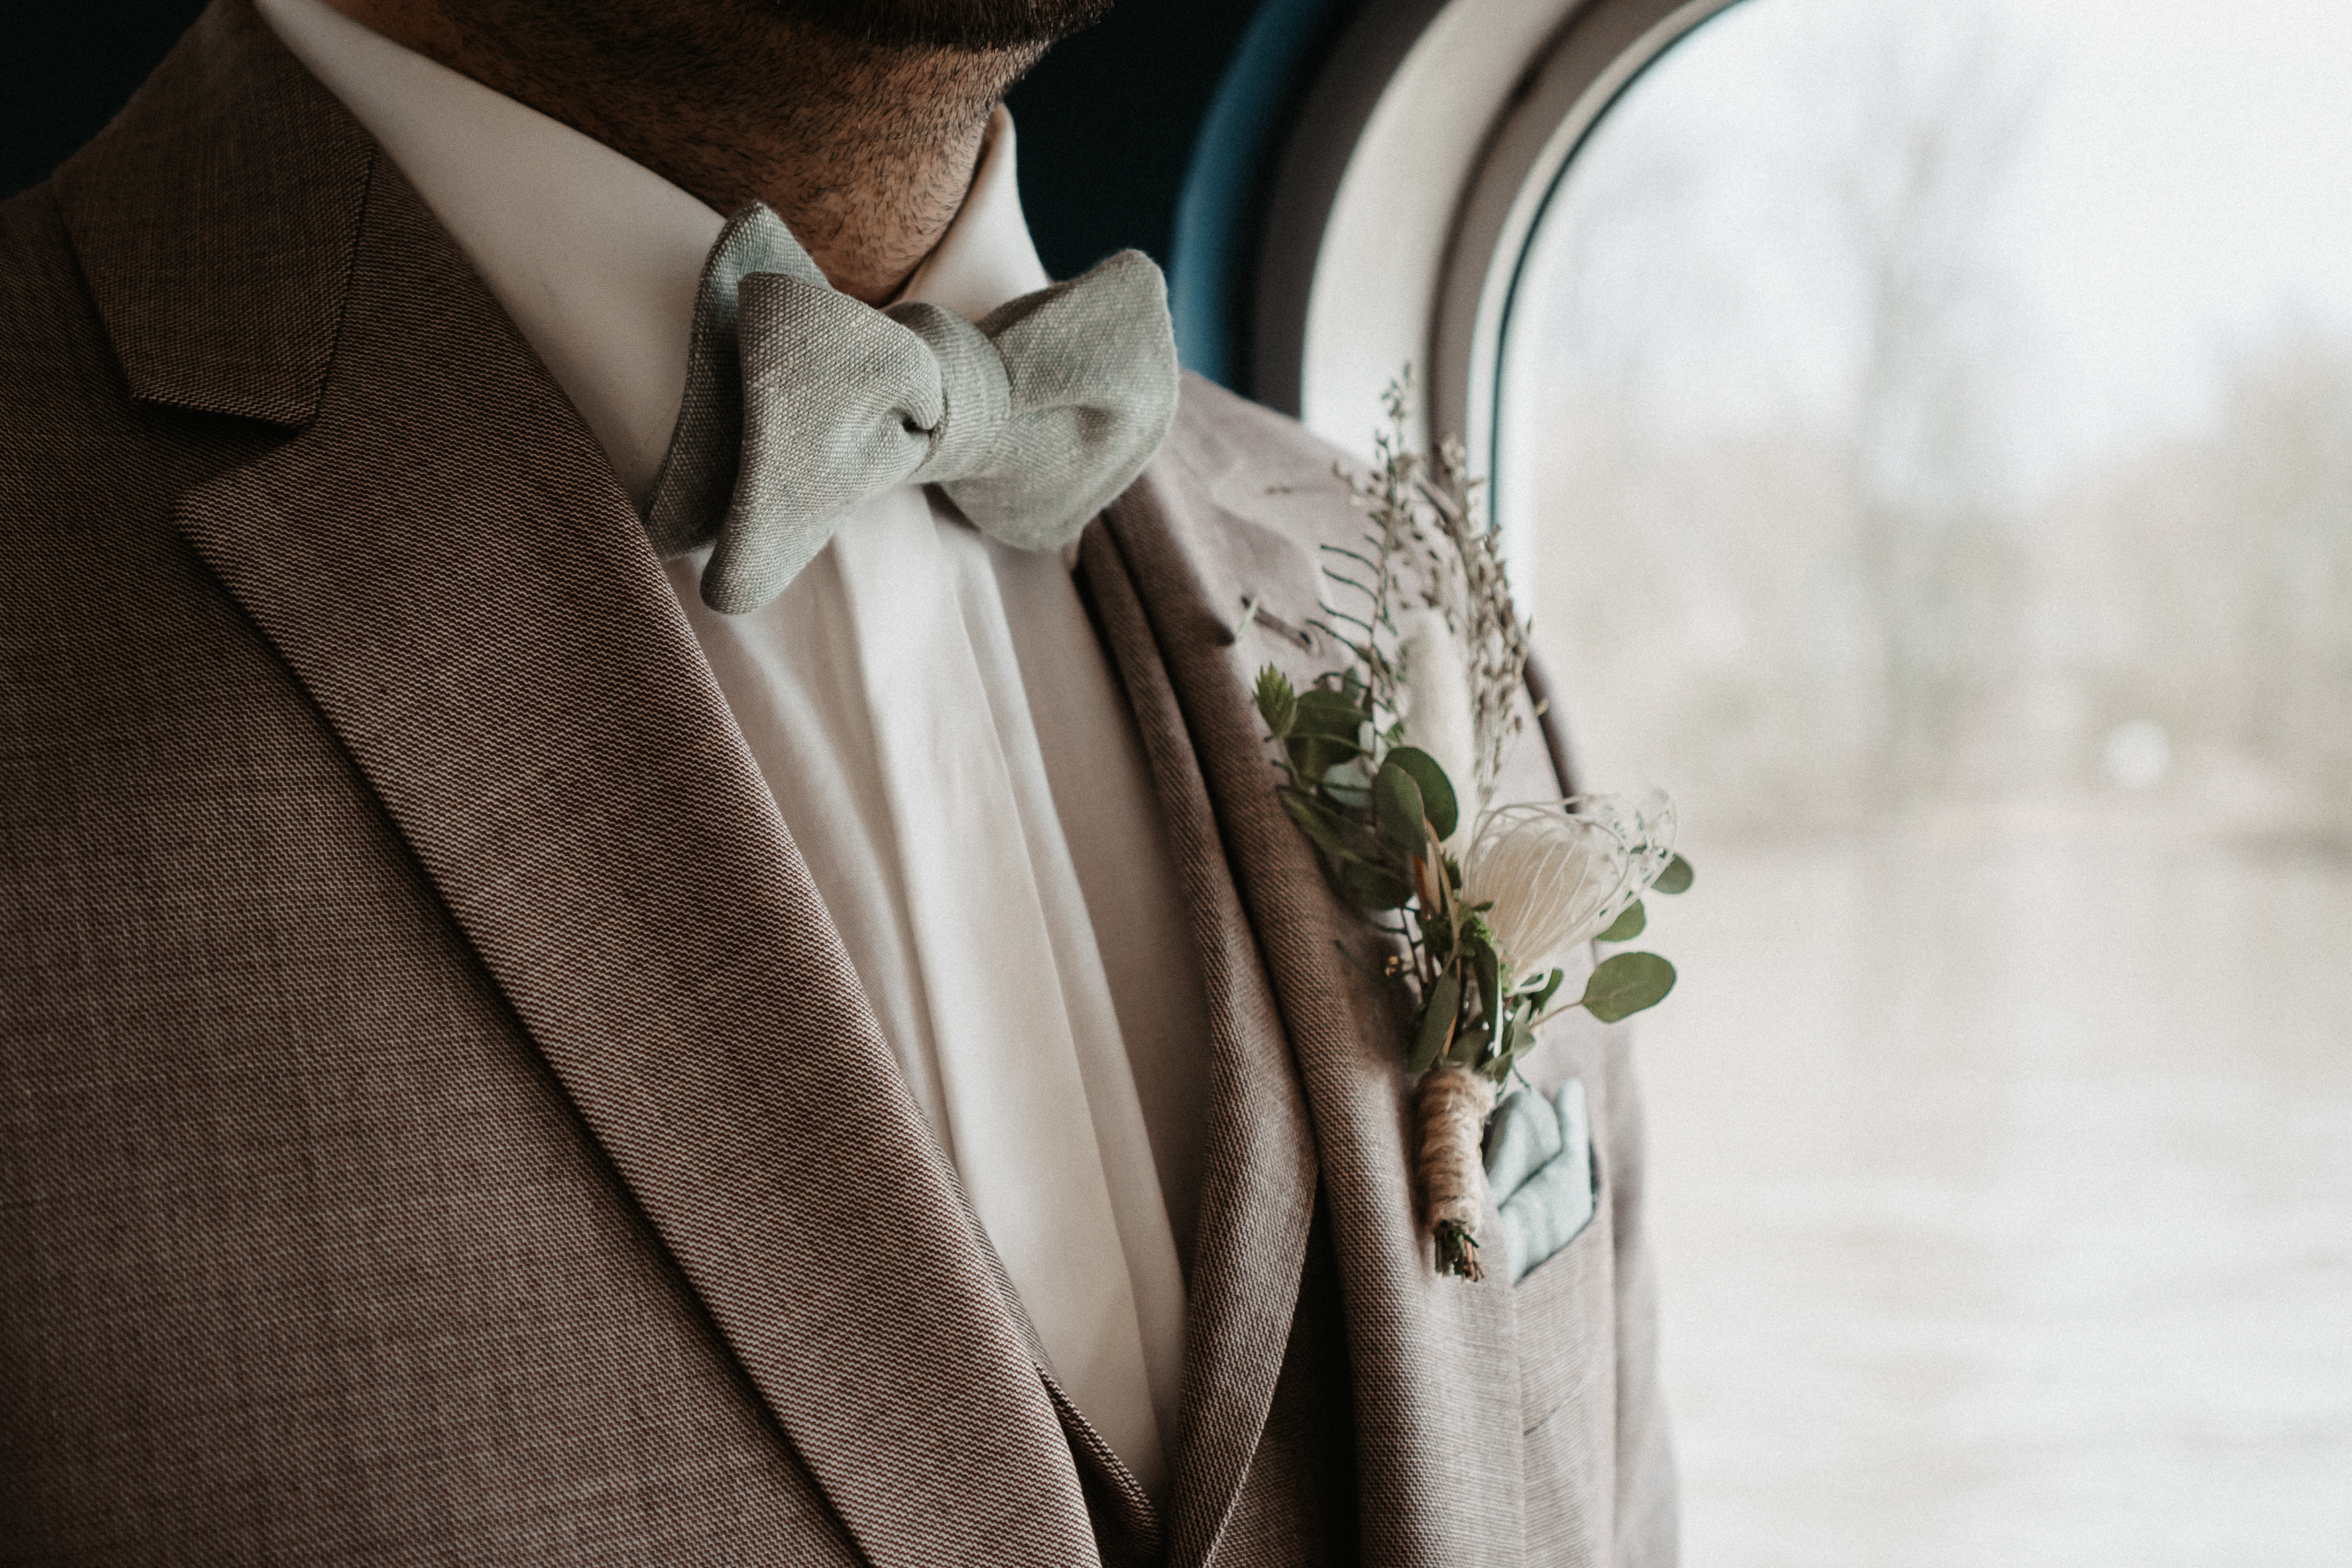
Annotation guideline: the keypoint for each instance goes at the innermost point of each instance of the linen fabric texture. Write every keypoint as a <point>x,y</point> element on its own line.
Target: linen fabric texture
<point>431,1087</point>
<point>801,402</point>
<point>929,709</point>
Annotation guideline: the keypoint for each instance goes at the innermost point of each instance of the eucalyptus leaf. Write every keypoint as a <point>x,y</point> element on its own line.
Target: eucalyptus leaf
<point>1437,1020</point>
<point>1357,839</point>
<point>1543,993</point>
<point>1626,926</point>
<point>1369,887</point>
<point>1313,756</point>
<point>1314,819</point>
<point>1437,799</point>
<point>1675,878</point>
<point>1326,713</point>
<point>1626,984</point>
<point>1469,1045</point>
<point>1396,806</point>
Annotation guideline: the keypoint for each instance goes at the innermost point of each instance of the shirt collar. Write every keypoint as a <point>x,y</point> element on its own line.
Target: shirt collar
<point>593,256</point>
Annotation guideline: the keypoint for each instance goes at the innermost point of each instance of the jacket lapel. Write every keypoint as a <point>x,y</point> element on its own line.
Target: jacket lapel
<point>1220,540</point>
<point>443,560</point>
<point>1257,1189</point>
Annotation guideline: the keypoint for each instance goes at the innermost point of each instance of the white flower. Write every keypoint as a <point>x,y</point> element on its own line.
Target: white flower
<point>1437,706</point>
<point>1646,823</point>
<point>1558,873</point>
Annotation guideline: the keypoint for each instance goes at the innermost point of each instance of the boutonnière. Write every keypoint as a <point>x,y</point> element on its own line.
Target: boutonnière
<point>1387,763</point>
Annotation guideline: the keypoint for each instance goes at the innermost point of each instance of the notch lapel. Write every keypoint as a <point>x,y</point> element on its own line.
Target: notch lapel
<point>443,560</point>
<point>1230,514</point>
<point>1257,1187</point>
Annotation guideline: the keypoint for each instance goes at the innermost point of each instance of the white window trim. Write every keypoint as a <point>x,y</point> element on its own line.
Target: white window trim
<point>1421,249</point>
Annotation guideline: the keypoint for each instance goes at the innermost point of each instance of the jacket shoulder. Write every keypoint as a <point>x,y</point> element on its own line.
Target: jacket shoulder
<point>1251,499</point>
<point>1222,437</point>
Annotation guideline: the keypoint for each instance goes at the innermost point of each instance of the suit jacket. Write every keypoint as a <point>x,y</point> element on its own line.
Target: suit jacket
<point>437,1120</point>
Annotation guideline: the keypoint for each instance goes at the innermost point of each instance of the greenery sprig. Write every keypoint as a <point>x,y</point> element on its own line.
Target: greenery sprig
<point>1380,813</point>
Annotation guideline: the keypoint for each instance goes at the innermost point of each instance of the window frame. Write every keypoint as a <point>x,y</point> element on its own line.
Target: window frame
<point>1424,161</point>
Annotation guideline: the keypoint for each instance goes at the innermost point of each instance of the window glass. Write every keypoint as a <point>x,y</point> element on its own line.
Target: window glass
<point>1927,430</point>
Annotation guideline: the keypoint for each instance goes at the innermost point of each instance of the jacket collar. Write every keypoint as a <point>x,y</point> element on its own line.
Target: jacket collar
<point>215,220</point>
<point>473,606</point>
<point>1258,1173</point>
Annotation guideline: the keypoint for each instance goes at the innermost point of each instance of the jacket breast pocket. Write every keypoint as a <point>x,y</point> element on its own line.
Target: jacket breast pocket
<point>1566,1322</point>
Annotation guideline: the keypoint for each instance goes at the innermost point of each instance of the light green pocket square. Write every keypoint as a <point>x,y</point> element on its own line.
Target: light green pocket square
<point>1540,1168</point>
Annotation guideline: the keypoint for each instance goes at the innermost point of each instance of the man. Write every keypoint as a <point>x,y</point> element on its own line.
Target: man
<point>567,1003</point>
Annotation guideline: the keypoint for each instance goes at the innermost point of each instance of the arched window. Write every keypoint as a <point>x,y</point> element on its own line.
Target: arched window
<point>1924,436</point>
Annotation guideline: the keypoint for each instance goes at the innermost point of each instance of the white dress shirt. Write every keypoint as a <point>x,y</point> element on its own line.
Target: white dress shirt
<point>934,716</point>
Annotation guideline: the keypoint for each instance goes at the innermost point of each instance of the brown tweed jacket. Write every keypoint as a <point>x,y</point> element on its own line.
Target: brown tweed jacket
<point>437,1122</point>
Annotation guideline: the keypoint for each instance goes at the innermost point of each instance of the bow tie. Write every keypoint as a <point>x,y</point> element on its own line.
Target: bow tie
<point>801,402</point>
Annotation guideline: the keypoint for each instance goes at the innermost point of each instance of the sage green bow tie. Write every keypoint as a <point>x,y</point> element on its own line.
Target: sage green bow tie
<point>801,402</point>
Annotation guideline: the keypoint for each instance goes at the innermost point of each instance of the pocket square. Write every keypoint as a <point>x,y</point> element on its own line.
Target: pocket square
<point>1540,1168</point>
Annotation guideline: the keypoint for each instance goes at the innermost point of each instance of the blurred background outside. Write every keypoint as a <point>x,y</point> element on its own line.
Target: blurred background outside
<point>1927,428</point>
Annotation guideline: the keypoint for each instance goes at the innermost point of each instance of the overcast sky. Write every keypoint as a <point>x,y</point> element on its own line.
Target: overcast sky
<point>2181,191</point>
<point>2190,181</point>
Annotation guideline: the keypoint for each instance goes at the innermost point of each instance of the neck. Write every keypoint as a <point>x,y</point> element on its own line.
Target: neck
<point>864,150</point>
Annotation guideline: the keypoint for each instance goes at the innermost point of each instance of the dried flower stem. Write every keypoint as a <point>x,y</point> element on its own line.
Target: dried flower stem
<point>1490,623</point>
<point>1430,541</point>
<point>1390,498</point>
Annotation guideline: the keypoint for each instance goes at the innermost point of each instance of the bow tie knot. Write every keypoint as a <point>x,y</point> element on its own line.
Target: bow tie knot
<point>801,402</point>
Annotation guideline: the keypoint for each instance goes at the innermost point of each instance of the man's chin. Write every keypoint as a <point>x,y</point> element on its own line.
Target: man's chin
<point>965,26</point>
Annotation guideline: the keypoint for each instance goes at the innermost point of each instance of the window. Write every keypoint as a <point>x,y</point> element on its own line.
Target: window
<point>1925,431</point>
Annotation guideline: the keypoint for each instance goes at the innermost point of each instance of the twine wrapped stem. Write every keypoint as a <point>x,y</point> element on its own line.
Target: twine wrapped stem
<point>1454,1103</point>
